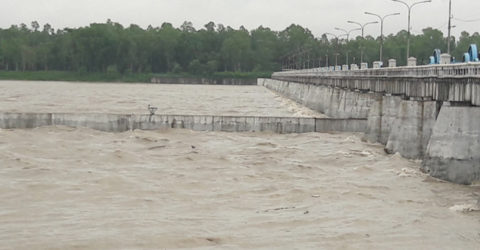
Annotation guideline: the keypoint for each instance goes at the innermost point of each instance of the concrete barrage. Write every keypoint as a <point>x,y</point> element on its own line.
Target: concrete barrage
<point>122,123</point>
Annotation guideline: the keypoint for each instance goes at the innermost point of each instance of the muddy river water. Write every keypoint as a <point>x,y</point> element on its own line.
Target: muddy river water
<point>22,96</point>
<point>76,188</point>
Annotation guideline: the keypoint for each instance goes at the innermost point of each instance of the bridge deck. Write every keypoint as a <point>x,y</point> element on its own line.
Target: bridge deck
<point>455,82</point>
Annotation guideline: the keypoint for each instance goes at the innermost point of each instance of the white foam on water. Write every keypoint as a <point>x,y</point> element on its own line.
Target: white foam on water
<point>465,208</point>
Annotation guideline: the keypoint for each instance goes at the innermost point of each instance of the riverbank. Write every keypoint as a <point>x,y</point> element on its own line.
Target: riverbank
<point>72,76</point>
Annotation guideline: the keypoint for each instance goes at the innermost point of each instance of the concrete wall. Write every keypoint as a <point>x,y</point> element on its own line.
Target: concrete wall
<point>333,102</point>
<point>225,123</point>
<point>23,120</point>
<point>205,81</point>
<point>404,126</point>
<point>121,123</point>
<point>325,125</point>
<point>102,122</point>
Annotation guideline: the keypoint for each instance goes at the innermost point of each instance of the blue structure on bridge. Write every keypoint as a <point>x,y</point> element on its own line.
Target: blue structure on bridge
<point>471,55</point>
<point>435,59</point>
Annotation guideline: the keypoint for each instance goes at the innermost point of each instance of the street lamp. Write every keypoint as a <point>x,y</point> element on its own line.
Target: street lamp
<point>336,59</point>
<point>336,37</point>
<point>409,27</point>
<point>381,29</point>
<point>347,33</point>
<point>336,54</point>
<point>362,26</point>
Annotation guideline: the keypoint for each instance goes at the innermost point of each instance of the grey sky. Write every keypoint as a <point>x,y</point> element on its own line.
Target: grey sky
<point>319,16</point>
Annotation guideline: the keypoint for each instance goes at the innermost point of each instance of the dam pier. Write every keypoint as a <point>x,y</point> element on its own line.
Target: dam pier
<point>430,112</point>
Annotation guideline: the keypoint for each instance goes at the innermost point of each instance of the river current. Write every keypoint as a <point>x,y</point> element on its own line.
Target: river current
<point>76,188</point>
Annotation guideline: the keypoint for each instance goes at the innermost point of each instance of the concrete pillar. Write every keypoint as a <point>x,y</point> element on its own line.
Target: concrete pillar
<point>445,59</point>
<point>381,116</point>
<point>364,66</point>
<point>453,152</point>
<point>412,128</point>
<point>412,62</point>
<point>392,63</point>
<point>377,64</point>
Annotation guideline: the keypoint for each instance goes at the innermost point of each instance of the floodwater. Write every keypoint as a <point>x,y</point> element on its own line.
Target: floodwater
<point>117,98</point>
<point>65,188</point>
<point>76,188</point>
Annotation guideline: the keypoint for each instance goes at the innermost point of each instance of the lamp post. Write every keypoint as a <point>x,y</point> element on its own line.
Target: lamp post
<point>336,37</point>
<point>336,53</point>
<point>381,29</point>
<point>409,26</point>
<point>362,26</point>
<point>347,34</point>
<point>449,39</point>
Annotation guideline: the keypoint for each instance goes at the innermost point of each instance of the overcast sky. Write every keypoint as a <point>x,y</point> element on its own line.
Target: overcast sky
<point>319,16</point>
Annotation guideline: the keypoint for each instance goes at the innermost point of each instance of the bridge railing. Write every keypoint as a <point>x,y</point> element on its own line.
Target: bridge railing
<point>446,70</point>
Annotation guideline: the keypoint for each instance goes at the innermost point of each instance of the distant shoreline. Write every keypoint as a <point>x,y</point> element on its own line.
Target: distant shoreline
<point>72,76</point>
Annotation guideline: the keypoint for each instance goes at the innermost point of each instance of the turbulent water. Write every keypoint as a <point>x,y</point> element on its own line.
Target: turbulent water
<point>57,97</point>
<point>75,188</point>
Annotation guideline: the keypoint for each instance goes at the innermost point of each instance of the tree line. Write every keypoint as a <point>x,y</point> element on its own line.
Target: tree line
<point>110,47</point>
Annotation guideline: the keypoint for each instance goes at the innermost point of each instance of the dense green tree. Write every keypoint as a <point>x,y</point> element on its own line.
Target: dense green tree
<point>265,46</point>
<point>110,47</point>
<point>236,50</point>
